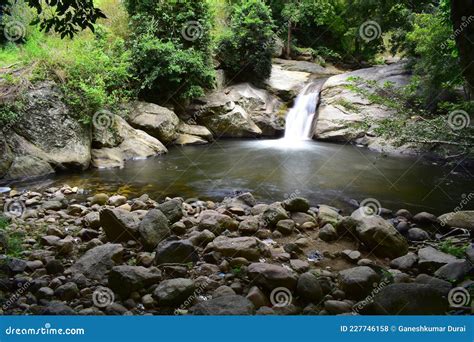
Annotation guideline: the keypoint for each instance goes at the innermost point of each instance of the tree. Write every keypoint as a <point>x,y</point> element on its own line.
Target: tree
<point>66,17</point>
<point>246,51</point>
<point>462,17</point>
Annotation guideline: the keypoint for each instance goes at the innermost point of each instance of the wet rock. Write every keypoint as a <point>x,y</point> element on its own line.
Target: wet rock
<point>174,292</point>
<point>296,204</point>
<point>409,299</point>
<point>172,209</point>
<point>175,251</point>
<point>417,234</point>
<point>379,235</point>
<point>153,229</point>
<point>216,222</point>
<point>358,282</point>
<point>405,214</point>
<point>430,259</point>
<point>125,279</point>
<point>328,233</point>
<point>285,227</point>
<point>249,248</point>
<point>271,276</point>
<point>309,289</point>
<point>98,260</point>
<point>403,228</point>
<point>405,263</point>
<point>226,305</point>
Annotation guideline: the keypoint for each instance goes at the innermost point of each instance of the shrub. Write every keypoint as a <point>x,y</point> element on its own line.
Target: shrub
<point>171,48</point>
<point>246,51</point>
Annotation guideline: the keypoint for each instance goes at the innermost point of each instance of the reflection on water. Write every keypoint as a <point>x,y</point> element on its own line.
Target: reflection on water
<point>273,169</point>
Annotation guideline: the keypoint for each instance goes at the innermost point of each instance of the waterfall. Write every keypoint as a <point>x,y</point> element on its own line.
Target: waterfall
<point>299,120</point>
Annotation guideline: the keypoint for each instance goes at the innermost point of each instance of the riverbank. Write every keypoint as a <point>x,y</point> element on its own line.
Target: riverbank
<point>113,255</point>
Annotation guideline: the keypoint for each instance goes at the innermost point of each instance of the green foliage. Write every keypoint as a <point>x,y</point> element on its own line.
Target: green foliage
<point>8,113</point>
<point>171,48</point>
<point>449,247</point>
<point>246,51</point>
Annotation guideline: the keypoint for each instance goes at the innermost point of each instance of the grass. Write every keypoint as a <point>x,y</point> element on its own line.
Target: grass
<point>13,240</point>
<point>450,248</point>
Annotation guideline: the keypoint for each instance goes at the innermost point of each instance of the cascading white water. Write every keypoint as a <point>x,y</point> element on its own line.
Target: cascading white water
<point>299,120</point>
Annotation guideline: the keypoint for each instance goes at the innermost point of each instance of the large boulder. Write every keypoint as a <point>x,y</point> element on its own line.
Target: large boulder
<point>379,235</point>
<point>459,219</point>
<point>271,276</point>
<point>125,143</point>
<point>225,305</point>
<point>45,137</point>
<point>119,225</point>
<point>342,112</point>
<point>409,299</point>
<point>98,260</point>
<point>195,130</point>
<point>159,122</point>
<point>247,247</point>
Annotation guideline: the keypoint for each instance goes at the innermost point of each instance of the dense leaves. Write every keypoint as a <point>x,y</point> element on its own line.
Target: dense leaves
<point>246,51</point>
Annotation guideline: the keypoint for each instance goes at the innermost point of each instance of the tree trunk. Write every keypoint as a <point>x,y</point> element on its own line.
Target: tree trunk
<point>288,41</point>
<point>462,16</point>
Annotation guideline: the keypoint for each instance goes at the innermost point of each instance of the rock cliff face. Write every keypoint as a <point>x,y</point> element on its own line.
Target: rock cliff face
<point>45,137</point>
<point>341,111</point>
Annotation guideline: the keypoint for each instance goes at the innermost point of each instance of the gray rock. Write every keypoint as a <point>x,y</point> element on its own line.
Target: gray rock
<point>309,289</point>
<point>126,279</point>
<point>201,238</point>
<point>67,292</point>
<point>246,247</point>
<point>302,218</point>
<point>379,236</point>
<point>52,205</point>
<point>296,204</point>
<point>430,259</point>
<point>257,297</point>
<point>337,307</point>
<point>249,226</point>
<point>57,308</point>
<point>271,276</point>
<point>405,263</point>
<point>409,299</point>
<point>226,305</point>
<point>273,214</point>
<point>119,225</point>
<point>358,282</point>
<point>92,220</point>
<point>425,219</point>
<point>172,209</point>
<point>440,284</point>
<point>54,266</point>
<point>223,290</point>
<point>327,215</point>
<point>174,292</point>
<point>98,260</point>
<point>459,219</point>
<point>175,251</point>
<point>153,229</point>
<point>45,293</point>
<point>328,233</point>
<point>417,234</point>
<point>285,227</point>
<point>299,266</point>
<point>216,222</point>
<point>454,271</point>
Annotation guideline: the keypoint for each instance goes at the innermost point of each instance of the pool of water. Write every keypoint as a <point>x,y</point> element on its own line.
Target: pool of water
<point>275,169</point>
